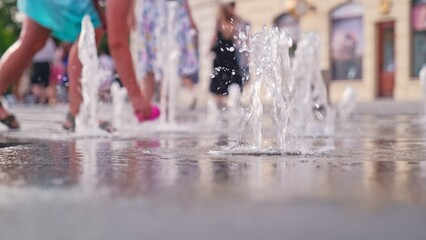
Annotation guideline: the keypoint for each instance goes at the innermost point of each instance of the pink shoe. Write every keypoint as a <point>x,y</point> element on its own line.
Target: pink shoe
<point>155,113</point>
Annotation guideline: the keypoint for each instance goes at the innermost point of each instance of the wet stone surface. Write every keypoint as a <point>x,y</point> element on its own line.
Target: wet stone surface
<point>370,183</point>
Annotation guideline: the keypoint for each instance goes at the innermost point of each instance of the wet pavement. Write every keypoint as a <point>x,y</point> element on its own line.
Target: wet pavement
<point>369,184</point>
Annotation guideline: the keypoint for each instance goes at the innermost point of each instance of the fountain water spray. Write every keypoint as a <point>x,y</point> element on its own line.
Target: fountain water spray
<point>167,62</point>
<point>312,116</point>
<point>422,76</point>
<point>270,61</point>
<point>347,104</point>
<point>119,96</point>
<point>234,96</point>
<point>91,77</point>
<point>286,103</point>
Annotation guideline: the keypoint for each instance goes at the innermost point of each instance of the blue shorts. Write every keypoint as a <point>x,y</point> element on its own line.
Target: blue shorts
<point>62,17</point>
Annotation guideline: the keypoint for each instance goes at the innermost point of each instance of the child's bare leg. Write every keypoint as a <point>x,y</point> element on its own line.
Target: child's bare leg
<point>52,95</point>
<point>118,33</point>
<point>19,56</point>
<point>187,83</point>
<point>74,73</point>
<point>39,92</point>
<point>220,101</point>
<point>17,88</point>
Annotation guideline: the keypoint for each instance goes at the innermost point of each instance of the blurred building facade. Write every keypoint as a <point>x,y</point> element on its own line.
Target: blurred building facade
<point>375,46</point>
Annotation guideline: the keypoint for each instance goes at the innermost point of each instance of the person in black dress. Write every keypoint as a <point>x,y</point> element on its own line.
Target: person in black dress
<point>229,67</point>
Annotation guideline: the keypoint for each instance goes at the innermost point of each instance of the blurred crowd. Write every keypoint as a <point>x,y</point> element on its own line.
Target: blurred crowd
<point>46,80</point>
<point>49,46</point>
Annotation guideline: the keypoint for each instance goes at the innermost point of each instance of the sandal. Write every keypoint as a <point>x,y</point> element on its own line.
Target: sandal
<point>155,113</point>
<point>107,126</point>
<point>70,123</point>
<point>10,121</point>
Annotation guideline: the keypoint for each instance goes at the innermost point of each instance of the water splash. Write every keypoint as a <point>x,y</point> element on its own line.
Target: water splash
<point>347,104</point>
<point>312,116</point>
<point>234,96</point>
<point>119,100</point>
<point>422,76</point>
<point>165,35</point>
<point>270,61</point>
<point>91,77</point>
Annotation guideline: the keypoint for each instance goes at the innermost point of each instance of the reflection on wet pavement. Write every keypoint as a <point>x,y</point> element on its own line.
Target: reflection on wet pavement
<point>375,161</point>
<point>129,171</point>
<point>383,163</point>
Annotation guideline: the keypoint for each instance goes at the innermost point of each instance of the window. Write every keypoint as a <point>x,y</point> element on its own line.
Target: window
<point>347,42</point>
<point>291,25</point>
<point>418,26</point>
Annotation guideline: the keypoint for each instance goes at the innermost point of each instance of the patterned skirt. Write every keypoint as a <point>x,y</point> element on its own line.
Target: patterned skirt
<point>152,31</point>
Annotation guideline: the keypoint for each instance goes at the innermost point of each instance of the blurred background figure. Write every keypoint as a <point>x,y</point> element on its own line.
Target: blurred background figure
<point>61,19</point>
<point>230,65</point>
<point>108,65</point>
<point>57,74</point>
<point>152,23</point>
<point>40,71</point>
<point>19,89</point>
<point>62,53</point>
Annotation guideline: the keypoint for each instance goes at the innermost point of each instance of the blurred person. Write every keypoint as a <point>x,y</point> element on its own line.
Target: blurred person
<point>118,30</point>
<point>187,38</point>
<point>63,80</point>
<point>107,65</point>
<point>44,18</point>
<point>41,70</point>
<point>57,74</point>
<point>230,66</point>
<point>117,13</point>
<point>348,50</point>
<point>21,87</point>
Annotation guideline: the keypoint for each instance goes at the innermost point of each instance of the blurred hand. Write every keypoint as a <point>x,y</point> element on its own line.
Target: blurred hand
<point>142,105</point>
<point>146,108</point>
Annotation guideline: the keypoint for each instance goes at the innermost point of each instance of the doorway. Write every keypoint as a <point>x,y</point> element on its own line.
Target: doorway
<point>386,59</point>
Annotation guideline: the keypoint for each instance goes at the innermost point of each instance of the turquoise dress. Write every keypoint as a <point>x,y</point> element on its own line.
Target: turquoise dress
<point>62,17</point>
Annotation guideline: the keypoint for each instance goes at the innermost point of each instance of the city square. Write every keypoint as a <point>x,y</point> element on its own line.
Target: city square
<point>301,120</point>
